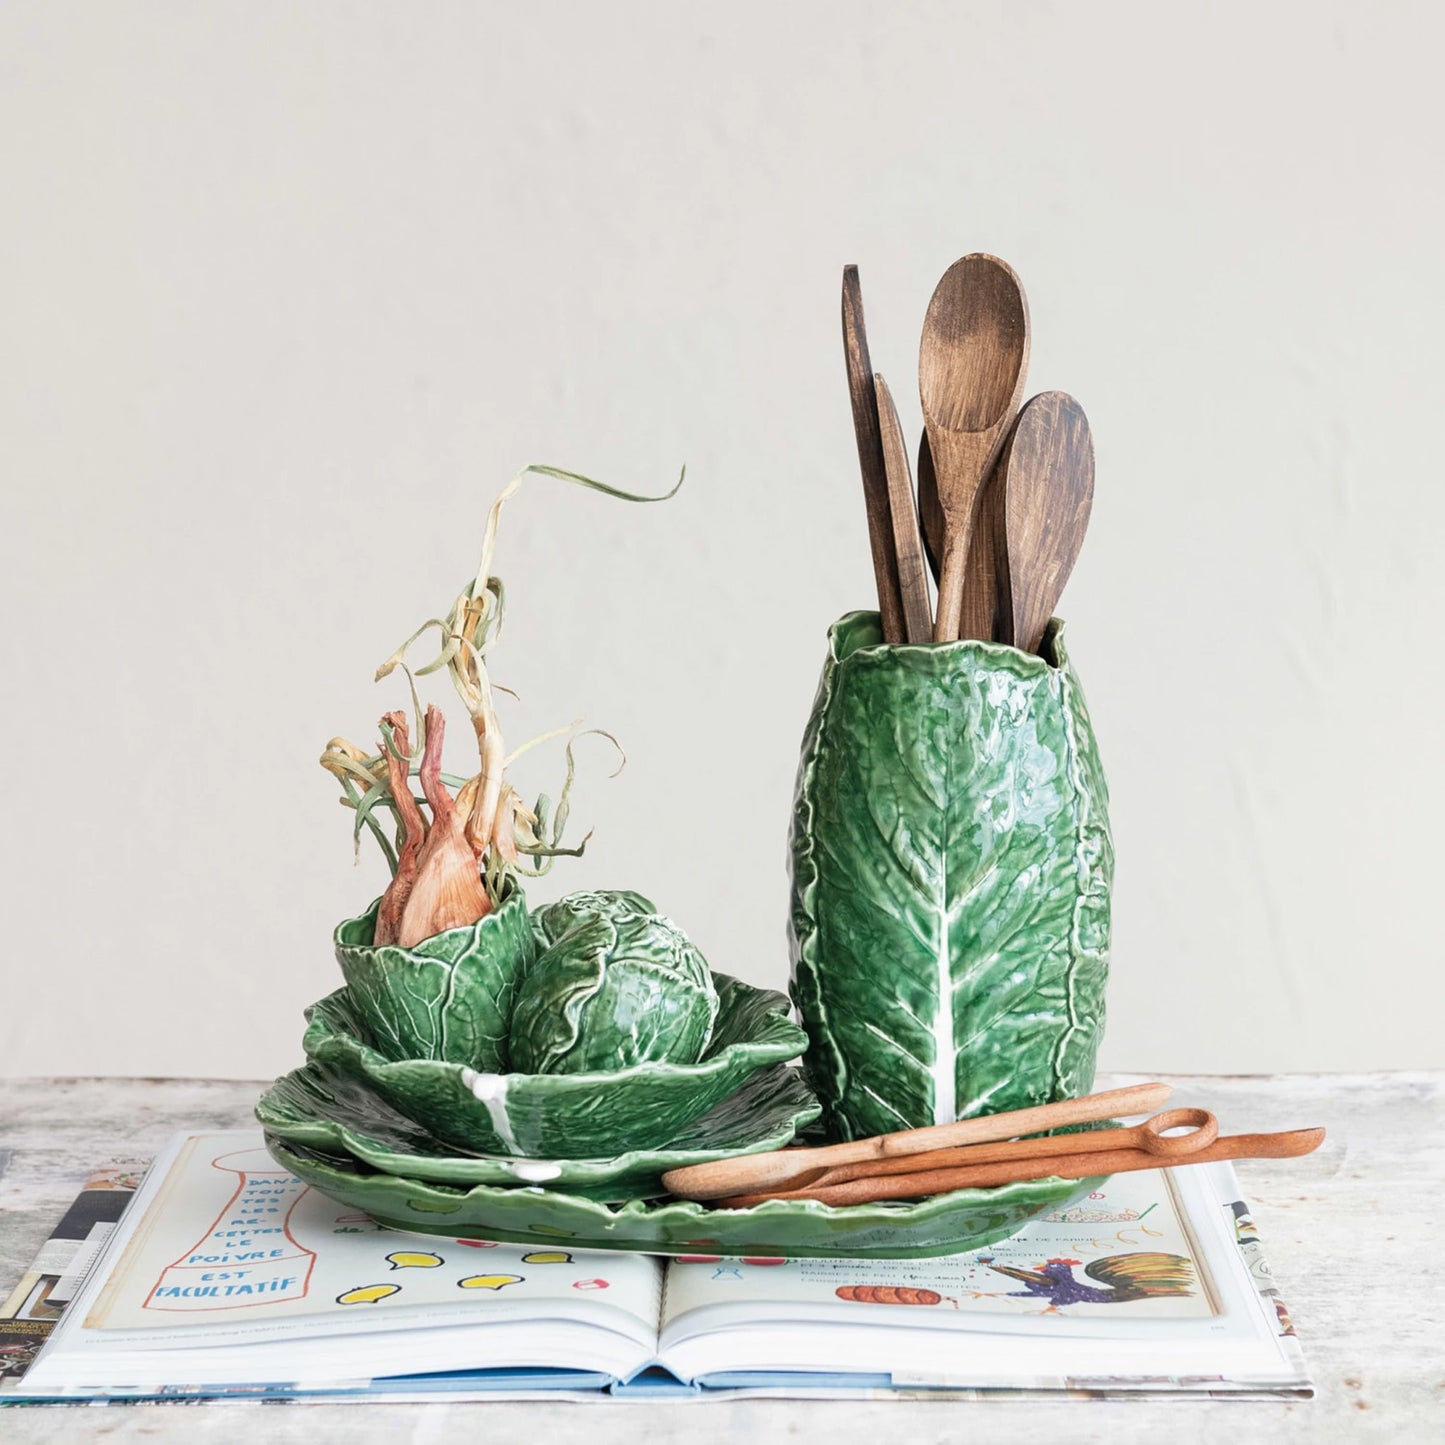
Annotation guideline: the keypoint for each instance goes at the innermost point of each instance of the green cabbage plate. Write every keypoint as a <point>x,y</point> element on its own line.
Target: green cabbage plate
<point>943,1224</point>
<point>318,1107</point>
<point>562,1116</point>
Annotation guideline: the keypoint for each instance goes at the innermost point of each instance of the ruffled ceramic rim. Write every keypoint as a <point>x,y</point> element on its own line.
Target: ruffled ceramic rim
<point>428,949</point>
<point>635,1210</point>
<point>789,1043</point>
<point>1053,639</point>
<point>590,1171</point>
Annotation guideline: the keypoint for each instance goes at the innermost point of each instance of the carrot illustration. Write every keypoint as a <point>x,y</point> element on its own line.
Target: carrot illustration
<point>887,1294</point>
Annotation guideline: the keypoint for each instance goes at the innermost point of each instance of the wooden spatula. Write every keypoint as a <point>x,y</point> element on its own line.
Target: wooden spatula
<point>907,539</point>
<point>930,512</point>
<point>971,365</point>
<point>870,458</point>
<point>1046,487</point>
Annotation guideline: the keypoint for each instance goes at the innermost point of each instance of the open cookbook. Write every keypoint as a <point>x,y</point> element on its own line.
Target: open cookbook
<point>227,1275</point>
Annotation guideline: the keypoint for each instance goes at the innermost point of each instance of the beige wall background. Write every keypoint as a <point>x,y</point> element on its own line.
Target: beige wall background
<point>291,290</point>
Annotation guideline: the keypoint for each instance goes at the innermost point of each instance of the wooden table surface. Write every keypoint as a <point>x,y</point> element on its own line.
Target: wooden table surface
<point>1347,1231</point>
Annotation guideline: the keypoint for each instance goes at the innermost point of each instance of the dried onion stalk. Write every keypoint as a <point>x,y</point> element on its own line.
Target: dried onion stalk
<point>452,870</point>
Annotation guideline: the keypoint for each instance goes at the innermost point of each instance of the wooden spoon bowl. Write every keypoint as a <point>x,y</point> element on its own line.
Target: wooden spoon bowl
<point>971,365</point>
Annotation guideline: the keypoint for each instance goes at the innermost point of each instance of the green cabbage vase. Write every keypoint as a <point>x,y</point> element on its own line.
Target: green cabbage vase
<point>952,864</point>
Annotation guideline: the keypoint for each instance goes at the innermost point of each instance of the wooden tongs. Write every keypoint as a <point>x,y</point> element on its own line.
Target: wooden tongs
<point>982,1153</point>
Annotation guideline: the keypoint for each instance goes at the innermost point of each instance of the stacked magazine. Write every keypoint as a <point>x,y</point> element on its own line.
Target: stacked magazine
<point>226,1275</point>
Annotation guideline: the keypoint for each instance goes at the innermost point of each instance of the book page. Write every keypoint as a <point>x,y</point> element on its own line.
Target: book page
<point>225,1240</point>
<point>1122,1253</point>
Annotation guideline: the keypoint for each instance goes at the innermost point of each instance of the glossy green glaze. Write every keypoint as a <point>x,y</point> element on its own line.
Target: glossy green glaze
<point>944,1224</point>
<point>616,984</point>
<point>553,920</point>
<point>951,872</point>
<point>328,1111</point>
<point>449,997</point>
<point>569,1116</point>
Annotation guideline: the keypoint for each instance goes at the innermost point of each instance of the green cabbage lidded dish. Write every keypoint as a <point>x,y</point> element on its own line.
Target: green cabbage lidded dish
<point>616,984</point>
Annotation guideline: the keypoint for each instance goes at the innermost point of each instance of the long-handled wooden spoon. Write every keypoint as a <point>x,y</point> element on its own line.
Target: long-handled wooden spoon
<point>1203,1130</point>
<point>776,1170</point>
<point>907,539</point>
<point>980,575</point>
<point>1046,481</point>
<point>980,571</point>
<point>971,365</point>
<point>869,1190</point>
<point>870,458</point>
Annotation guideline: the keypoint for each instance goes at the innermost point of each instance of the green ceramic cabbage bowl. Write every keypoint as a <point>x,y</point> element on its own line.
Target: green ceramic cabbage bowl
<point>561,1116</point>
<point>794,1228</point>
<point>447,997</point>
<point>327,1111</point>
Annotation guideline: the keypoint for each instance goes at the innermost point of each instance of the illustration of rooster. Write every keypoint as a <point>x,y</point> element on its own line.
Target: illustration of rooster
<point>1123,1277</point>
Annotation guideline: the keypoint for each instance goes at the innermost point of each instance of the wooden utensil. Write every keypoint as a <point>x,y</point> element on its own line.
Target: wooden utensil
<point>775,1170</point>
<point>982,571</point>
<point>907,539</point>
<point>930,510</point>
<point>1046,485</point>
<point>869,1190</point>
<point>870,458</point>
<point>1150,1135</point>
<point>971,365</point>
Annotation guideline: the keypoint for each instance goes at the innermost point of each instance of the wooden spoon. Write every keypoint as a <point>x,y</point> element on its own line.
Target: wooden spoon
<point>870,458</point>
<point>980,562</point>
<point>1203,1130</point>
<point>1046,476</point>
<point>779,1169</point>
<point>971,365</point>
<point>907,539</point>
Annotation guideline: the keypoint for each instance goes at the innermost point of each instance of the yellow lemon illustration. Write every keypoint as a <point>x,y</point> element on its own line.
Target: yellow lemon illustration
<point>368,1294</point>
<point>549,1256</point>
<point>489,1281</point>
<point>414,1259</point>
